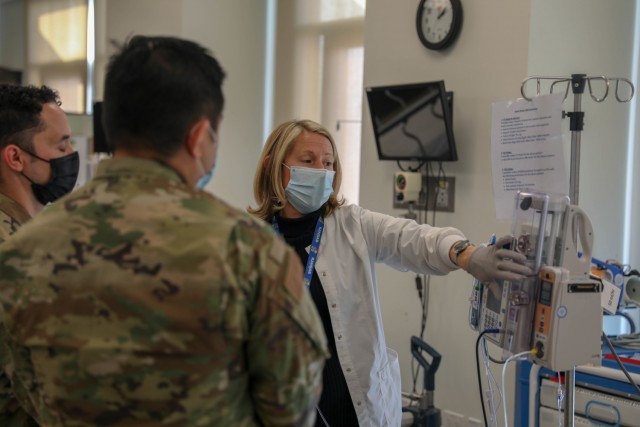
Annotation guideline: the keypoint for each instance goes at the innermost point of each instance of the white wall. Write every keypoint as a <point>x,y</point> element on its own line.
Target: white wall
<point>600,43</point>
<point>492,56</point>
<point>487,64</point>
<point>233,30</point>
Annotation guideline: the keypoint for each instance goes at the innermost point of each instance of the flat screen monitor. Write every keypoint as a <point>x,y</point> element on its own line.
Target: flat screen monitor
<point>100,143</point>
<point>413,122</point>
<point>8,76</point>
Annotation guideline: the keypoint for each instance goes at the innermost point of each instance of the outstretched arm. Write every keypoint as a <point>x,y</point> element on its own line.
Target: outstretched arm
<point>491,263</point>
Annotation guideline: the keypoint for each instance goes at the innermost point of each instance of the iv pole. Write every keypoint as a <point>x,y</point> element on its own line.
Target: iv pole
<point>576,125</point>
<point>576,117</point>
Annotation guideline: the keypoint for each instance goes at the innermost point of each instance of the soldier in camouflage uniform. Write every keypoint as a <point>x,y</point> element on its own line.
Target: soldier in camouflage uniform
<point>35,149</point>
<point>36,157</point>
<point>141,300</point>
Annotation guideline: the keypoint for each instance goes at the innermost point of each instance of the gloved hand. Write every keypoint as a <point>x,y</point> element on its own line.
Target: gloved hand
<point>492,263</point>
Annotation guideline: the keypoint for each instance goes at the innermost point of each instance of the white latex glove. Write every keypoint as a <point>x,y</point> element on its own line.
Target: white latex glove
<point>493,263</point>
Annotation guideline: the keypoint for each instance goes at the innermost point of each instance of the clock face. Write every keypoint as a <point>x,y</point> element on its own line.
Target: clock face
<point>437,20</point>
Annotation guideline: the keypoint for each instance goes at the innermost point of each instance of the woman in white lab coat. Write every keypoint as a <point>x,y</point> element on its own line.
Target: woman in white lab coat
<point>296,186</point>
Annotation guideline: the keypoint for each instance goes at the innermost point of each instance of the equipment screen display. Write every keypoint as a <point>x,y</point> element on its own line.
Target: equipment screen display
<point>494,302</point>
<point>413,122</point>
<point>545,293</point>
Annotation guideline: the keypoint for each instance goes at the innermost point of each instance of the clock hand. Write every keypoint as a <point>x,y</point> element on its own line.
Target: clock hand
<point>441,14</point>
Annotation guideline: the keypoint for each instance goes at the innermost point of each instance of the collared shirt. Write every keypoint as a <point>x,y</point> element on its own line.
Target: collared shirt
<point>151,302</point>
<point>12,216</point>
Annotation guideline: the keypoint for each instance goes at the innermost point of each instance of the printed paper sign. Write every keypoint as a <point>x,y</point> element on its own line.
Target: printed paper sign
<point>526,149</point>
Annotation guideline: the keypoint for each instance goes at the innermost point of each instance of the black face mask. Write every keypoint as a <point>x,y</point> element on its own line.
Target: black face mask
<point>64,173</point>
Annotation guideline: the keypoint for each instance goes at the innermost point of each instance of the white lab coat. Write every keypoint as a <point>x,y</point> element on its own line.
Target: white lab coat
<point>354,239</point>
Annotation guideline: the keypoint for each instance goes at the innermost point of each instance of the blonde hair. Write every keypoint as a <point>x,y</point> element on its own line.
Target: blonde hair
<point>267,184</point>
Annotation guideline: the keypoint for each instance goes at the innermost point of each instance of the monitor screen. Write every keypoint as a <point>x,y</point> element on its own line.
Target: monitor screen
<point>100,143</point>
<point>413,122</point>
<point>8,76</point>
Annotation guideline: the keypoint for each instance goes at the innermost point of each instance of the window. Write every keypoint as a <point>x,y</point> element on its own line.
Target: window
<point>319,66</point>
<point>57,49</point>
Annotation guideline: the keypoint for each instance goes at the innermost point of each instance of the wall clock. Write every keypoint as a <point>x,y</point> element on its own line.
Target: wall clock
<point>438,22</point>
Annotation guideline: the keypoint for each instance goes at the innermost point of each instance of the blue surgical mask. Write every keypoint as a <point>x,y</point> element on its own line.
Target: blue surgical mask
<point>206,176</point>
<point>309,188</point>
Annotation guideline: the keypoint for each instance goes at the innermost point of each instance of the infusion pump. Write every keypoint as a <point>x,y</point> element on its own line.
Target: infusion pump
<point>557,310</point>
<point>565,331</point>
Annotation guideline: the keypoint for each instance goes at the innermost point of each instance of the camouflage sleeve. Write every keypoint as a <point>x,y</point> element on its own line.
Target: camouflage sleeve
<point>287,345</point>
<point>6,394</point>
<point>6,228</point>
<point>12,414</point>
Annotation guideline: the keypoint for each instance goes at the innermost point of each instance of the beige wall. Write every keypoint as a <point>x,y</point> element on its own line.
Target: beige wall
<point>560,46</point>
<point>501,43</point>
<point>486,64</point>
<point>234,31</point>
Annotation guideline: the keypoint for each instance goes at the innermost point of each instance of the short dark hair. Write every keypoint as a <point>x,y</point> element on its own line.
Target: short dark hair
<point>20,108</point>
<point>156,88</point>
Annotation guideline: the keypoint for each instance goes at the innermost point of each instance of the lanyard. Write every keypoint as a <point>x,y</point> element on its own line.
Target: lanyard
<point>313,253</point>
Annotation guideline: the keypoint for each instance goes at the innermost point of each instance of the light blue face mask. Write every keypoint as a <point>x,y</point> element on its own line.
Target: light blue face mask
<point>309,188</point>
<point>206,176</point>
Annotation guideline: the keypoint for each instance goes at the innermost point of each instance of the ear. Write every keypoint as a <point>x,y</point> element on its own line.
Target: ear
<point>12,157</point>
<point>197,137</point>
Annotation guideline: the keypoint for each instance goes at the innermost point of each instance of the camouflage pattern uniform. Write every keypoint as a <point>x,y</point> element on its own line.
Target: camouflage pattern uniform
<point>12,216</point>
<point>139,301</point>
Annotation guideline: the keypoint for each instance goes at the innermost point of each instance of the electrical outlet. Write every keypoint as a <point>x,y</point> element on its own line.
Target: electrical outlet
<point>438,194</point>
<point>441,194</point>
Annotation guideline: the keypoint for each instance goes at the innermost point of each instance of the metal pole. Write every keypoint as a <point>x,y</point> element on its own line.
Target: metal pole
<point>91,57</point>
<point>576,125</point>
<point>574,177</point>
<point>569,396</point>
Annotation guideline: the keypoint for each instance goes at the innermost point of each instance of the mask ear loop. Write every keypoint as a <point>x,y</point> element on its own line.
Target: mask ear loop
<point>36,157</point>
<point>278,202</point>
<point>28,179</point>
